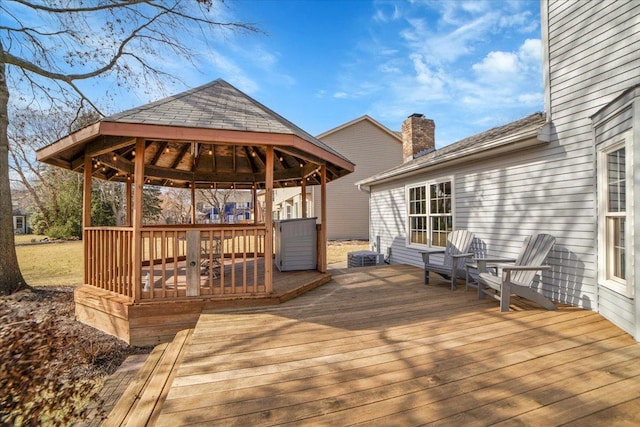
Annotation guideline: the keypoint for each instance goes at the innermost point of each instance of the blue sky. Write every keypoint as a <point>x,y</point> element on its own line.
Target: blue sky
<point>469,65</point>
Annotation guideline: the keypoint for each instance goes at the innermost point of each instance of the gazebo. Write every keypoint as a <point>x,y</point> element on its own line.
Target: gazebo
<point>145,282</point>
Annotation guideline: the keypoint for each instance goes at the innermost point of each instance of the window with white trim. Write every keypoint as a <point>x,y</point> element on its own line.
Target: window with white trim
<point>418,215</point>
<point>430,213</point>
<point>614,233</point>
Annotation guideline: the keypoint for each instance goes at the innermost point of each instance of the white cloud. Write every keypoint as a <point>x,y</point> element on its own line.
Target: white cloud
<point>386,12</point>
<point>389,68</point>
<point>498,63</point>
<point>532,99</point>
<point>440,46</point>
<point>232,72</point>
<point>510,70</point>
<point>531,51</point>
<point>341,95</point>
<point>425,76</point>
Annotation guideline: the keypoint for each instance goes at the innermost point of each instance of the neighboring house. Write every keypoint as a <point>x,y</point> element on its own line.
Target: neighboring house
<point>570,173</point>
<point>238,208</point>
<point>20,222</point>
<point>373,148</point>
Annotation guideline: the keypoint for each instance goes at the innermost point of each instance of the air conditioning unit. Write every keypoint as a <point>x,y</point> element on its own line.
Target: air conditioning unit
<point>364,259</point>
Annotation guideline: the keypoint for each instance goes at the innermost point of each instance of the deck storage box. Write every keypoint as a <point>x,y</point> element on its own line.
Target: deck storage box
<point>295,244</point>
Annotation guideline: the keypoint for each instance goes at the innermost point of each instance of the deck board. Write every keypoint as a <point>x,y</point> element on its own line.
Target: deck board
<point>377,347</point>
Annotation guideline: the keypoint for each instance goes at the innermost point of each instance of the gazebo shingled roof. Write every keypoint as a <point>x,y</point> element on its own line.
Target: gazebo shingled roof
<point>210,135</point>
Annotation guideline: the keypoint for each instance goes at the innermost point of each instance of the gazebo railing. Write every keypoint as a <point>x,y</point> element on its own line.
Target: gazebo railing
<point>178,261</point>
<point>108,259</point>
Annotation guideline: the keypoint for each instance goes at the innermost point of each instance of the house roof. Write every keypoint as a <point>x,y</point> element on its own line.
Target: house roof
<point>212,133</point>
<point>396,135</point>
<point>522,130</point>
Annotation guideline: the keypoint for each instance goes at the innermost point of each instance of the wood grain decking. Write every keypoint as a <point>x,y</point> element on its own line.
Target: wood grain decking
<point>377,347</point>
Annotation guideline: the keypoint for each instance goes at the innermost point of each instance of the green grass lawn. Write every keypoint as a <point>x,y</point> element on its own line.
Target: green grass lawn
<point>50,264</point>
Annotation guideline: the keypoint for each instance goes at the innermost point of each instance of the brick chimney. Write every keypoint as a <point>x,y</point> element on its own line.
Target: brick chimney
<point>418,134</point>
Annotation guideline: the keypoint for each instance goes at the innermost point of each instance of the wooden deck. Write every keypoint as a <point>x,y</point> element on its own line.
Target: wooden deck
<point>377,347</point>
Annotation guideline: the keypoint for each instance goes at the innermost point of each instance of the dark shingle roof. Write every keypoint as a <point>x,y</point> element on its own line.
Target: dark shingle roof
<point>215,105</point>
<point>211,135</point>
<point>491,138</point>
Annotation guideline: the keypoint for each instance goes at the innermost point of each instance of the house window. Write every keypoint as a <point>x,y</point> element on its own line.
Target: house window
<point>616,214</point>
<point>614,231</point>
<point>418,215</point>
<point>430,213</point>
<point>19,224</point>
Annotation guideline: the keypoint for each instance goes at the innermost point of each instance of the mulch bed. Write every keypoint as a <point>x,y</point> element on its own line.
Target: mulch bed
<point>51,366</point>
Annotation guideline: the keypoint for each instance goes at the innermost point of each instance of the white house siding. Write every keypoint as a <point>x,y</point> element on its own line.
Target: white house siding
<point>388,223</point>
<point>372,150</point>
<point>594,55</point>
<point>292,196</point>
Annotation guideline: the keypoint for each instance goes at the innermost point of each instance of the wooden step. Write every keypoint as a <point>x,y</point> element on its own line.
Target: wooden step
<point>141,402</point>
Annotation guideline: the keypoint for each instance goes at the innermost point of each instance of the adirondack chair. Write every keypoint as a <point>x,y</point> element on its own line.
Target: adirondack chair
<point>456,252</point>
<point>517,278</point>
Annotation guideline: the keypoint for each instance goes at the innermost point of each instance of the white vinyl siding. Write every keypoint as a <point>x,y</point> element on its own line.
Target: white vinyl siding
<point>593,58</point>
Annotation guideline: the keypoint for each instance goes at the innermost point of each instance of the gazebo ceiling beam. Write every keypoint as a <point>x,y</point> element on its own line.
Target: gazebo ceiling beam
<point>181,154</point>
<point>77,163</point>
<point>117,162</point>
<point>254,159</point>
<point>298,154</point>
<point>60,163</point>
<point>233,159</point>
<point>197,155</point>
<point>212,148</point>
<point>162,145</point>
<point>106,144</point>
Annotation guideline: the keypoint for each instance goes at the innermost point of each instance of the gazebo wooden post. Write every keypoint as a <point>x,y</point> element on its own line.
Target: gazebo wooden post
<point>303,185</point>
<point>138,182</point>
<point>254,202</point>
<point>268,221</point>
<point>86,214</point>
<point>127,205</point>
<point>193,202</point>
<point>322,237</point>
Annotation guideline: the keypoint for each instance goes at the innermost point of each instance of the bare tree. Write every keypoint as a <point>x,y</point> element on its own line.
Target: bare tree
<point>176,205</point>
<point>28,131</point>
<point>48,49</point>
<point>218,199</point>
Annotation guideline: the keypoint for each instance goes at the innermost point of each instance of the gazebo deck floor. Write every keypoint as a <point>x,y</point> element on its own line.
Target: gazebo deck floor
<point>286,284</point>
<point>377,347</point>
